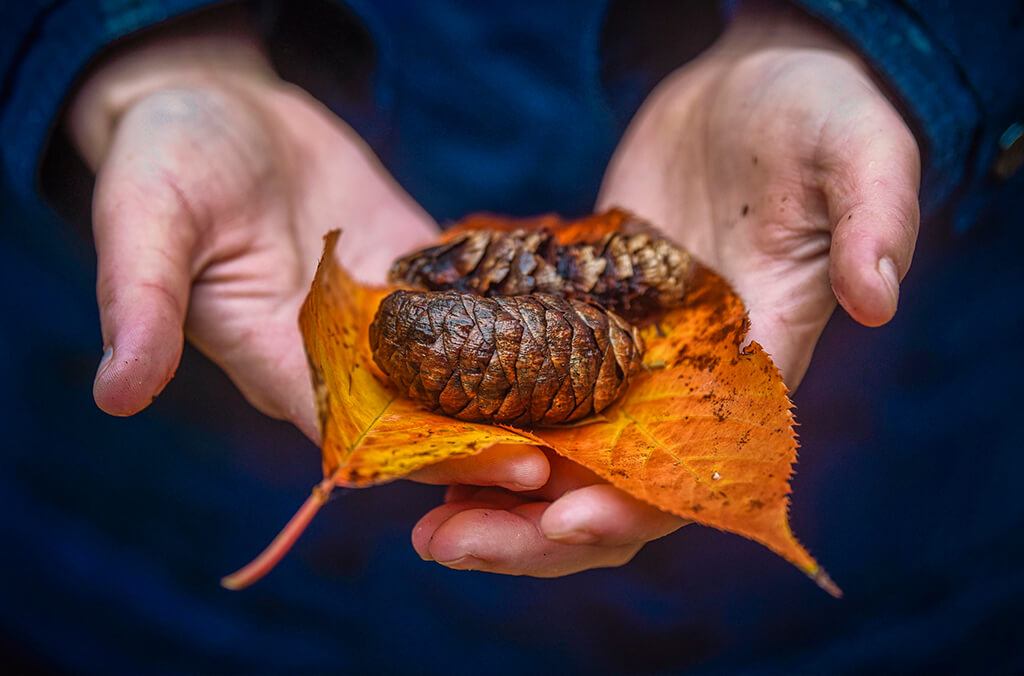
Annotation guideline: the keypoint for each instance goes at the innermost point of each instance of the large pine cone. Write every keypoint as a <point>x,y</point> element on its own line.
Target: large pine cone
<point>633,271</point>
<point>521,360</point>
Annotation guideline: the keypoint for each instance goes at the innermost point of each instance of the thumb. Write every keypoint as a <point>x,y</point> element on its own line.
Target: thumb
<point>144,239</point>
<point>871,185</point>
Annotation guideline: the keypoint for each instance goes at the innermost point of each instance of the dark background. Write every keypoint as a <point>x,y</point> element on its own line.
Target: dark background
<point>114,532</point>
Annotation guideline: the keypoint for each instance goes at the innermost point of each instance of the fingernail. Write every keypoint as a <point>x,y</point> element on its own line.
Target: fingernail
<point>573,537</point>
<point>467,562</point>
<point>887,270</point>
<point>108,356</point>
<point>514,486</point>
<point>526,472</point>
<point>569,522</point>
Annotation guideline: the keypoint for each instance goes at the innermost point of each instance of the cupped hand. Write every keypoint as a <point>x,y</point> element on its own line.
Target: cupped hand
<point>216,182</point>
<point>777,160</point>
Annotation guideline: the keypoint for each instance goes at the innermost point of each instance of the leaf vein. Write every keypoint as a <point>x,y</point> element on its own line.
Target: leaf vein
<point>362,435</point>
<point>664,448</point>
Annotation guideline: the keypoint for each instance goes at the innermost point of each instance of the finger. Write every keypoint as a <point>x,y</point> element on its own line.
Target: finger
<point>564,476</point>
<point>494,496</point>
<point>144,239</point>
<point>487,498</point>
<point>596,515</point>
<point>460,493</point>
<point>871,185</point>
<point>511,542</point>
<point>787,324</point>
<point>604,515</point>
<point>518,467</point>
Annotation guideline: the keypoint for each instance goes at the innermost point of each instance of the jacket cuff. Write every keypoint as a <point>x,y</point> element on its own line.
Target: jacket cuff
<point>66,38</point>
<point>941,108</point>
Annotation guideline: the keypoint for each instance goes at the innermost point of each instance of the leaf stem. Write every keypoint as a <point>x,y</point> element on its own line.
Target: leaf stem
<point>276,550</point>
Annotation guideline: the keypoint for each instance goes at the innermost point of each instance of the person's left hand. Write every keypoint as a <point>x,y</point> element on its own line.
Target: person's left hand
<point>775,159</point>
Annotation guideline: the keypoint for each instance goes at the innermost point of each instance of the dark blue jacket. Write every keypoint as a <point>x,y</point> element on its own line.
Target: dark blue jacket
<point>113,532</point>
<point>953,67</point>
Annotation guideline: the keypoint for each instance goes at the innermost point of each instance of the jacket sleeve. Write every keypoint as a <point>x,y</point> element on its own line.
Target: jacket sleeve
<point>44,47</point>
<point>956,68</point>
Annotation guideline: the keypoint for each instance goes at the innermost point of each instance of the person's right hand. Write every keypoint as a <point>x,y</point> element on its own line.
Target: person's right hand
<point>216,182</point>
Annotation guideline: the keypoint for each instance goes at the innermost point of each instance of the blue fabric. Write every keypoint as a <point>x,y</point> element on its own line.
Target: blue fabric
<point>955,66</point>
<point>115,531</point>
<point>515,153</point>
<point>47,46</point>
<point>951,67</point>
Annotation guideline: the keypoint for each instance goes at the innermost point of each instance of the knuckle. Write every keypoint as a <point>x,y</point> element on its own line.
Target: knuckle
<point>776,237</point>
<point>176,108</point>
<point>624,555</point>
<point>114,292</point>
<point>904,217</point>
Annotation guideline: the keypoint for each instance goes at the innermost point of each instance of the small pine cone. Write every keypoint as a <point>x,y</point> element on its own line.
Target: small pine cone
<point>636,274</point>
<point>486,263</point>
<point>633,271</point>
<point>520,360</point>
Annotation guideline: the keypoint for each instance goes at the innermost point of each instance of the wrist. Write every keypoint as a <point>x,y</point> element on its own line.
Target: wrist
<point>219,49</point>
<point>779,26</point>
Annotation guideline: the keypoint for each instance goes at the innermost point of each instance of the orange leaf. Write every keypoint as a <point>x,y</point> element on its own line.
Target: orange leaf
<point>706,434</point>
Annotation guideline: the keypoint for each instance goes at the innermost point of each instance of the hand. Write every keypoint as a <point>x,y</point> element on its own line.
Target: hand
<point>777,160</point>
<point>216,182</point>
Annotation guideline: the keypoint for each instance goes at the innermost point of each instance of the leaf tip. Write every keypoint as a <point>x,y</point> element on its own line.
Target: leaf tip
<point>822,579</point>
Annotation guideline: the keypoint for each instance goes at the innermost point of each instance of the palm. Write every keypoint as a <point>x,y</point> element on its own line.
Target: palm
<point>256,183</point>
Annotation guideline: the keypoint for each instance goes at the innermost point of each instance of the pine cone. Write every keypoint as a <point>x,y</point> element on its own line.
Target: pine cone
<point>521,360</point>
<point>633,271</point>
